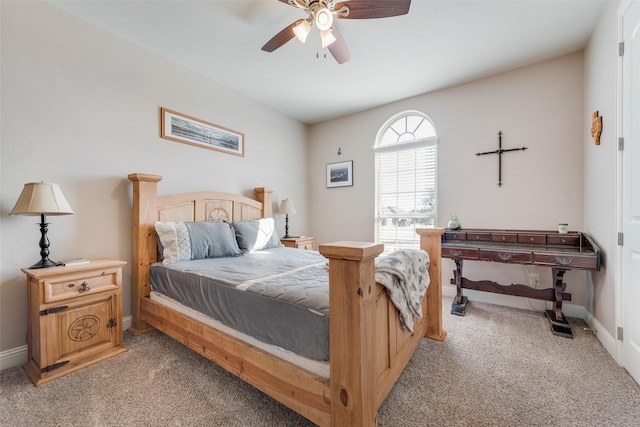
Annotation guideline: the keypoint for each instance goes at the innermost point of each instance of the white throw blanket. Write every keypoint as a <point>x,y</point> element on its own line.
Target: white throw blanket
<point>405,275</point>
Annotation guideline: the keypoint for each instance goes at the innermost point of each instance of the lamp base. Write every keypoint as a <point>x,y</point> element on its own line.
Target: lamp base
<point>44,263</point>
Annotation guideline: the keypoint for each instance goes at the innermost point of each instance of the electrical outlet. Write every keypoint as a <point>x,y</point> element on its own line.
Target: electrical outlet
<point>535,280</point>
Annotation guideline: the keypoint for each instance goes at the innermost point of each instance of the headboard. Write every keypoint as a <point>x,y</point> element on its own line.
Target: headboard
<point>199,206</point>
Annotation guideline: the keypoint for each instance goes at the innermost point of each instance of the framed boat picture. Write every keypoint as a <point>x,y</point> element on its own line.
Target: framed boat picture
<point>340,174</point>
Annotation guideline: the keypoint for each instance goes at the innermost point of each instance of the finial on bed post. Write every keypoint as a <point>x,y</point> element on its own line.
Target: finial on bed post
<point>145,195</point>
<point>265,196</point>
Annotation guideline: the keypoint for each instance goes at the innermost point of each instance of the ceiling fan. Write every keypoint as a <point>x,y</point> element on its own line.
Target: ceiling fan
<point>321,13</point>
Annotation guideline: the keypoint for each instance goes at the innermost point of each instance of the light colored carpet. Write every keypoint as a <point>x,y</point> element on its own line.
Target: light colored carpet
<point>498,367</point>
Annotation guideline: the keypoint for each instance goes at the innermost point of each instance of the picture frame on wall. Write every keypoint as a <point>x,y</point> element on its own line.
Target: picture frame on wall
<point>189,130</point>
<point>340,174</point>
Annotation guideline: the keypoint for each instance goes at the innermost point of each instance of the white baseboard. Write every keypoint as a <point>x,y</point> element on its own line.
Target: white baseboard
<point>605,338</point>
<point>13,357</point>
<point>19,355</point>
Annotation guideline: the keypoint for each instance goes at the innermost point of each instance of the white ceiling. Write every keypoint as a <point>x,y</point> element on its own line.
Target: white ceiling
<point>437,44</point>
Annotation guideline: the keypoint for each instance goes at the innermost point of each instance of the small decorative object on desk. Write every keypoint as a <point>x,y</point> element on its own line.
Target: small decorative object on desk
<point>74,261</point>
<point>563,228</point>
<point>454,223</point>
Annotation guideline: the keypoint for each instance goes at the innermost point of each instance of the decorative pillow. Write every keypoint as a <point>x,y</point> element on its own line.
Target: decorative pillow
<point>256,235</point>
<point>184,241</point>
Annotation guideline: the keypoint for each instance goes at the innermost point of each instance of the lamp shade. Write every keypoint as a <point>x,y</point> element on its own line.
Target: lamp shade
<point>327,38</point>
<point>302,30</point>
<point>287,207</point>
<point>41,198</point>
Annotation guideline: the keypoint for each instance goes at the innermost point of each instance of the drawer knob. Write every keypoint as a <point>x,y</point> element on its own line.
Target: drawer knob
<point>85,287</point>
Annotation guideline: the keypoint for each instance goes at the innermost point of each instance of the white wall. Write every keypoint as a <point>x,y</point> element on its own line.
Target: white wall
<point>600,169</point>
<point>540,107</point>
<point>80,107</point>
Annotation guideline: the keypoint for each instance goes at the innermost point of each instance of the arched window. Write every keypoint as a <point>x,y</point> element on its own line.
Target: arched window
<point>406,160</point>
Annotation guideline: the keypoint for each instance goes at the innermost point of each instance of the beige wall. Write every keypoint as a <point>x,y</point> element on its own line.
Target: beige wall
<point>540,107</point>
<point>80,107</point>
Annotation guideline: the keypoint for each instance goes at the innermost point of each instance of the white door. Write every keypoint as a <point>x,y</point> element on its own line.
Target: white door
<point>631,191</point>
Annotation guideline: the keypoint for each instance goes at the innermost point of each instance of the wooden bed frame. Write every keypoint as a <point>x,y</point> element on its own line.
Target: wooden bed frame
<point>368,347</point>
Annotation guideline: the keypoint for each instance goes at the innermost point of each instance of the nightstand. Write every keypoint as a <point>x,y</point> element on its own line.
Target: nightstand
<point>74,317</point>
<point>304,242</point>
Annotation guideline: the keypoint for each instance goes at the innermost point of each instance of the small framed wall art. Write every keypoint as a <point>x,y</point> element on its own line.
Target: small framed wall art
<point>340,174</point>
<point>189,130</point>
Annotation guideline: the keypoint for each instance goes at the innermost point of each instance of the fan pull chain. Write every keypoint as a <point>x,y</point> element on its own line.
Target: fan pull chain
<point>324,54</point>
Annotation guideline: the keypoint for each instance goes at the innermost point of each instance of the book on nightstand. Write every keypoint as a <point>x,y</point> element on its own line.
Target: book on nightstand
<point>74,262</point>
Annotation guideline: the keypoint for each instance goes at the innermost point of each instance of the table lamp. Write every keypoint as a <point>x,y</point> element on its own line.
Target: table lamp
<point>286,208</point>
<point>40,198</point>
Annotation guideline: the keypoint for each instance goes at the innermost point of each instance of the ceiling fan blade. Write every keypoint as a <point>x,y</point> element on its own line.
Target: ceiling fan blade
<point>365,9</point>
<point>339,48</point>
<point>281,38</point>
<point>294,4</point>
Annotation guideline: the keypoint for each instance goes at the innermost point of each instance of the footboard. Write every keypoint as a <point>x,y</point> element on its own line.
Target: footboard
<point>369,348</point>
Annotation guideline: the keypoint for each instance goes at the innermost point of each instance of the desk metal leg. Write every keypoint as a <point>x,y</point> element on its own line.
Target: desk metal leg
<point>559,323</point>
<point>459,301</point>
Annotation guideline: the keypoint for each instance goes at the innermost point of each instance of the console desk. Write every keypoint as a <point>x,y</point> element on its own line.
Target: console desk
<point>560,252</point>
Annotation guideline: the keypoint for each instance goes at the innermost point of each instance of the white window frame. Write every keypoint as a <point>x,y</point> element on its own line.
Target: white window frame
<point>398,231</point>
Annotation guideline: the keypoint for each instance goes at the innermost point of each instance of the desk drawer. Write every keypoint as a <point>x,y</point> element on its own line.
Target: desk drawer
<point>476,236</point>
<point>564,240</point>
<point>506,256</point>
<point>535,239</point>
<point>459,253</point>
<point>455,235</point>
<point>568,260</point>
<point>504,237</point>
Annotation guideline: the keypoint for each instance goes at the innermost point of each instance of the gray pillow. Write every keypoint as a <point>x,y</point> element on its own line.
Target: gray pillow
<point>184,241</point>
<point>256,235</point>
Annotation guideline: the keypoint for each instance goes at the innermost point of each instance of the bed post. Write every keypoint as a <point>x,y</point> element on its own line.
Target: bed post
<point>264,195</point>
<point>431,241</point>
<point>352,299</point>
<point>145,192</point>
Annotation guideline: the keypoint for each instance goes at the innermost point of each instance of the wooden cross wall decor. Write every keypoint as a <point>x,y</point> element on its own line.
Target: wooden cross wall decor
<point>499,152</point>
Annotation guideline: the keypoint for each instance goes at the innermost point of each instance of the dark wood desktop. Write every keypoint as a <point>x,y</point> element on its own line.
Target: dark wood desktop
<point>560,252</point>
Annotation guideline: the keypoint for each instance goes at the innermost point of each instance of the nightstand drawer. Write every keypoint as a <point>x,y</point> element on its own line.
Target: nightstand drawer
<point>306,245</point>
<point>80,285</point>
<point>305,242</point>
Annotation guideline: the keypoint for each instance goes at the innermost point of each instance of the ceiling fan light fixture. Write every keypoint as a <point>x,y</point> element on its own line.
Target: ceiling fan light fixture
<point>323,18</point>
<point>302,30</point>
<point>327,38</point>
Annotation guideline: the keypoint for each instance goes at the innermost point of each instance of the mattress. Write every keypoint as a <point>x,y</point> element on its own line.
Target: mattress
<point>320,368</point>
<point>279,296</point>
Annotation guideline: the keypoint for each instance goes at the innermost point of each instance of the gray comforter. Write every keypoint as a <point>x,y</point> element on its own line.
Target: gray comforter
<point>281,296</point>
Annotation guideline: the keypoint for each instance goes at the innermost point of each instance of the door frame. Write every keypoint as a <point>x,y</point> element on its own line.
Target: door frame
<point>619,285</point>
<point>619,180</point>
